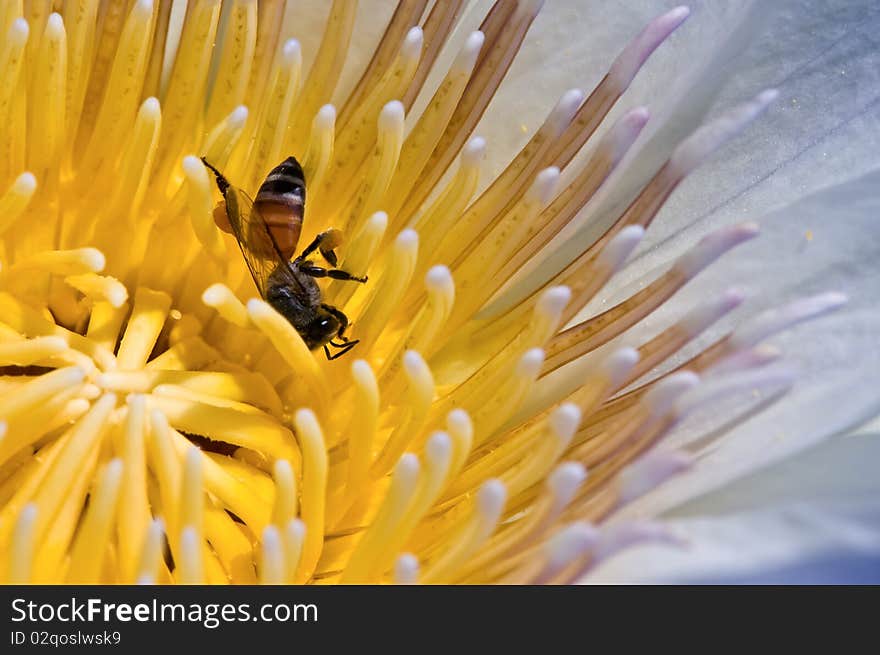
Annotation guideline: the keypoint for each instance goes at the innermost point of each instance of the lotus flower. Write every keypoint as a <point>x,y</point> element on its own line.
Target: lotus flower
<point>562,374</point>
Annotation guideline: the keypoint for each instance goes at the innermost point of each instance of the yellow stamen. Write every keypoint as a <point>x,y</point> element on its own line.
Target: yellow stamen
<point>16,199</point>
<point>400,495</point>
<point>284,506</point>
<point>123,87</point>
<point>150,564</point>
<point>239,40</point>
<point>134,516</point>
<point>314,489</point>
<point>272,565</point>
<point>85,559</point>
<point>326,69</point>
<point>24,539</point>
<point>146,321</point>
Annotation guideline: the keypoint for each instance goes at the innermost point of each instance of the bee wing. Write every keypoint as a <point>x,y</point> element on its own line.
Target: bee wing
<point>248,226</point>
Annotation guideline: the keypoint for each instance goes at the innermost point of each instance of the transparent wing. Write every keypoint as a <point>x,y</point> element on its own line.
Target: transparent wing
<point>261,252</point>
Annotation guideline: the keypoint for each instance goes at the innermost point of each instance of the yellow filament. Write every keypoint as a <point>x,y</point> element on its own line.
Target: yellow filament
<point>420,394</point>
<point>231,544</point>
<point>474,534</point>
<point>284,506</point>
<point>201,208</point>
<point>321,143</point>
<point>12,57</point>
<point>441,298</point>
<point>234,65</point>
<point>166,466</point>
<point>85,558</point>
<point>361,432</point>
<point>150,562</point>
<point>227,304</point>
<point>20,489</point>
<point>191,568</point>
<point>15,200</point>
<point>272,565</point>
<point>389,290</point>
<point>123,88</point>
<point>54,545</point>
<point>398,499</point>
<point>267,145</point>
<point>258,482</point>
<point>358,256</point>
<point>270,21</point>
<point>356,141</point>
<point>374,188</point>
<point>422,329</point>
<point>63,262</point>
<point>506,397</point>
<point>144,325</point>
<point>84,439</point>
<point>104,324</point>
<point>182,101</point>
<point>30,351</point>
<point>234,493</point>
<point>495,554</point>
<point>294,538</point>
<point>438,457</point>
<point>192,500</point>
<point>134,514</point>
<point>505,30</point>
<point>9,12</point>
<point>245,387</point>
<point>80,22</point>
<point>475,276</point>
<point>137,164</point>
<point>314,489</point>
<point>292,349</point>
<point>460,428</point>
<point>544,457</point>
<point>27,428</point>
<point>407,14</point>
<point>326,69</point>
<point>189,354</point>
<point>24,539</point>
<point>433,223</point>
<point>38,390</point>
<point>100,289</point>
<point>427,132</point>
<point>254,430</point>
<point>223,138</point>
<point>46,135</point>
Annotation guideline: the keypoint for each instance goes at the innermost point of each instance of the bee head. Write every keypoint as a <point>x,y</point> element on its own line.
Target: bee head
<point>324,327</point>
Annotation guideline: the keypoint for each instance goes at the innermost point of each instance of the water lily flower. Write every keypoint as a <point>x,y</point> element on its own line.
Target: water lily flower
<point>576,357</point>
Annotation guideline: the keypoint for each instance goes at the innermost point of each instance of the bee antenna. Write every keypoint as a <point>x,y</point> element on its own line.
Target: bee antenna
<point>222,182</point>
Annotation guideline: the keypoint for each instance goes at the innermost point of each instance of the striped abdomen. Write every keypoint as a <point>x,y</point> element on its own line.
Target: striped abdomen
<point>278,207</point>
<point>281,202</point>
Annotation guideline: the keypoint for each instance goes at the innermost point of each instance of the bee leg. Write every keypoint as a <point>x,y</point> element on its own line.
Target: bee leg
<point>222,182</point>
<point>317,271</point>
<point>344,349</point>
<point>325,243</point>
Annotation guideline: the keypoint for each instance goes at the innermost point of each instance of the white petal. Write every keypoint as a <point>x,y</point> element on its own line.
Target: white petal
<point>814,518</point>
<point>836,356</point>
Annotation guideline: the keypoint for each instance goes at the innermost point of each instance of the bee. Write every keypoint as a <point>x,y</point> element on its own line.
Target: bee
<point>267,230</point>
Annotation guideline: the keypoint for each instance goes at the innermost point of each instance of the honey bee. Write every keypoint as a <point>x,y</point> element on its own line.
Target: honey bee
<point>267,230</point>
